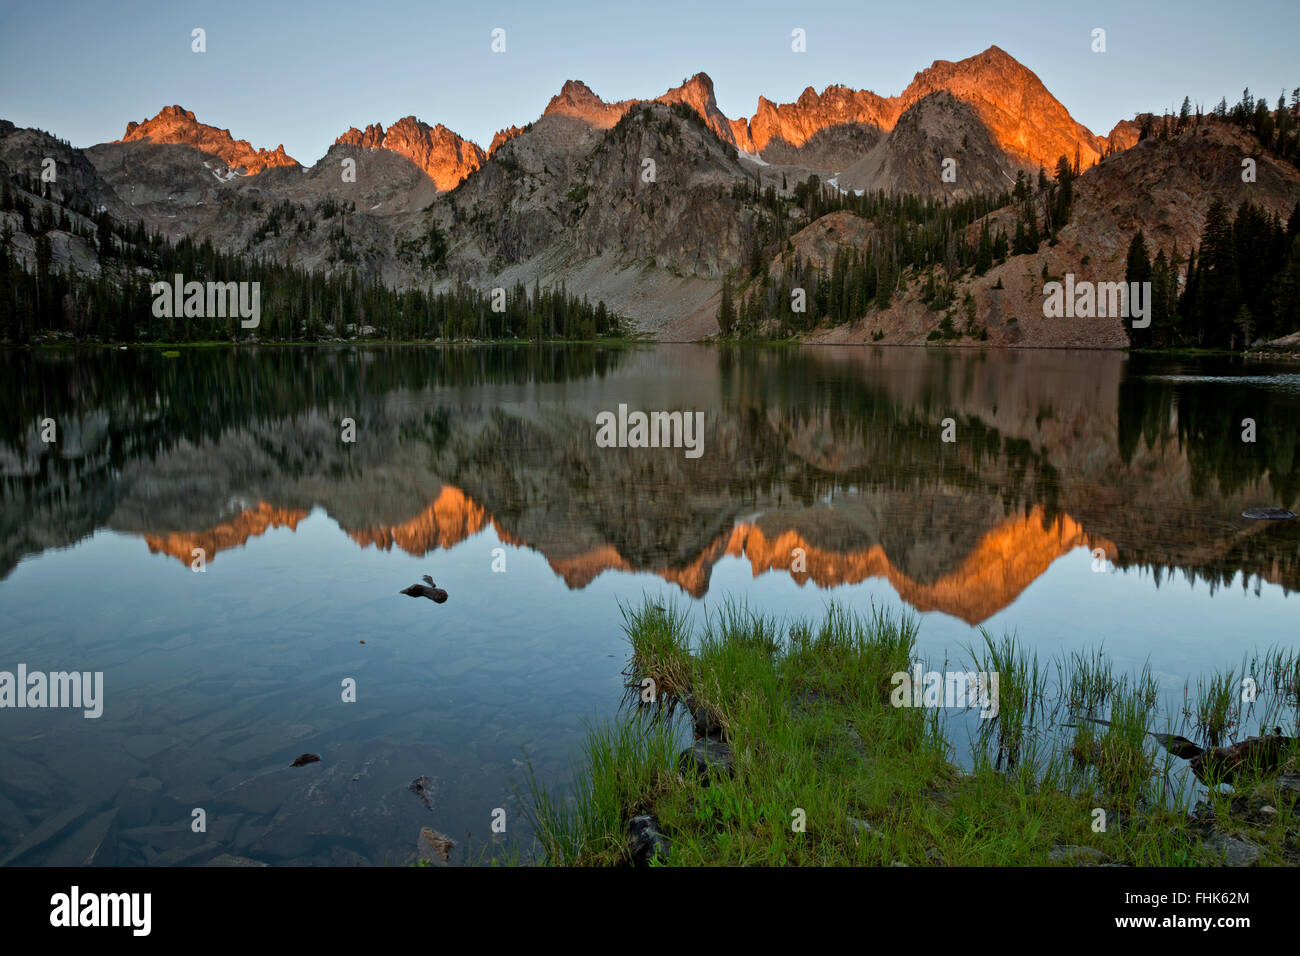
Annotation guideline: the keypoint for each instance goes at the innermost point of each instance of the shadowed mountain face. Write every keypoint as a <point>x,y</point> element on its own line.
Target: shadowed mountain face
<point>829,466</point>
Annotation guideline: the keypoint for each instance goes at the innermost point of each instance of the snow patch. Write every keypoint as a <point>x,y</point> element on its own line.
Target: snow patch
<point>834,181</point>
<point>752,157</point>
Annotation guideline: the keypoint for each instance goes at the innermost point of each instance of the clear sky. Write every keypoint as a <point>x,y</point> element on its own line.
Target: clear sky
<point>300,73</point>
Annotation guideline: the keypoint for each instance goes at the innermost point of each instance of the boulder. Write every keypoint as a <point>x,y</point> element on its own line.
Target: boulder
<point>645,842</point>
<point>706,723</point>
<point>707,756</point>
<point>1234,851</point>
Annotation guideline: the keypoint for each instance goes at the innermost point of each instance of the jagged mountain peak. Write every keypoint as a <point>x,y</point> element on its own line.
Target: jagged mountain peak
<point>174,112</point>
<point>445,156</point>
<point>793,124</point>
<point>576,99</point>
<point>577,90</point>
<point>701,82</point>
<point>1025,119</point>
<point>175,125</point>
<point>696,92</point>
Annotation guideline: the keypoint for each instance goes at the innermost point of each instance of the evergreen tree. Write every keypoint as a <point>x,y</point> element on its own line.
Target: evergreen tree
<point>1138,265</point>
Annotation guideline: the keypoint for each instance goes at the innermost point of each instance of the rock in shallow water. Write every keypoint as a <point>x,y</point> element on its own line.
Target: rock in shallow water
<point>423,787</point>
<point>435,846</point>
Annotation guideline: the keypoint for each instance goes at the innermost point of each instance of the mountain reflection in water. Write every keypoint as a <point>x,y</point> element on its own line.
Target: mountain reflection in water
<point>823,476</point>
<point>825,464</point>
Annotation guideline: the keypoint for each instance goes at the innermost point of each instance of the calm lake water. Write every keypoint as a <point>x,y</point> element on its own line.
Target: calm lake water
<point>824,476</point>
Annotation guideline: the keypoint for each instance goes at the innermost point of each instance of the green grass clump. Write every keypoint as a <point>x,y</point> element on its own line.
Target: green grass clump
<point>625,766</point>
<point>827,769</point>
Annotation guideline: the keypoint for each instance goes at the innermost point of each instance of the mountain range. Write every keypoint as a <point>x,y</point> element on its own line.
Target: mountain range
<point>819,131</point>
<point>566,198</point>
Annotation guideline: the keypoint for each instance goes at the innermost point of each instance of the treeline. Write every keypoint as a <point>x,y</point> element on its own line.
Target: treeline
<point>909,234</point>
<point>116,304</point>
<point>1278,129</point>
<point>1240,286</point>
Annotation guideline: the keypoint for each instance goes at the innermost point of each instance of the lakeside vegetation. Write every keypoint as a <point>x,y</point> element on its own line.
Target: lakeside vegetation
<point>823,770</point>
<point>1239,286</point>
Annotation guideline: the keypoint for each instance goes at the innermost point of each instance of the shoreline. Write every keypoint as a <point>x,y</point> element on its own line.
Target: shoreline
<point>627,342</point>
<point>798,756</point>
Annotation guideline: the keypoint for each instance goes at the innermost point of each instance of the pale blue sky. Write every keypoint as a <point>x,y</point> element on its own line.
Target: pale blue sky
<point>302,72</point>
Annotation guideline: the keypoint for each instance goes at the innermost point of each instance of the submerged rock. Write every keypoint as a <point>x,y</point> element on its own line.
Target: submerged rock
<point>423,787</point>
<point>435,846</point>
<point>52,826</point>
<point>87,846</point>
<point>707,756</point>
<point>645,842</point>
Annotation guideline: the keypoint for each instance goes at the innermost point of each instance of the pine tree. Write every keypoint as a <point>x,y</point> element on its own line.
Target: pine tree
<point>1219,293</point>
<point>1138,265</point>
<point>1164,299</point>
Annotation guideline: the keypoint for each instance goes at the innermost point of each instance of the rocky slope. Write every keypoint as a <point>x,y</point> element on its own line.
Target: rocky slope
<point>937,128</point>
<point>1164,188</point>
